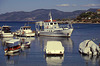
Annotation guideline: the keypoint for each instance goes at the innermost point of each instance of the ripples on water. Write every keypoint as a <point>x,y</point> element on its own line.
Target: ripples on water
<point>35,55</point>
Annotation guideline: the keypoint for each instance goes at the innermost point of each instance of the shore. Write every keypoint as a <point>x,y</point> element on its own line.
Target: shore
<point>75,22</point>
<point>84,22</point>
<point>60,22</point>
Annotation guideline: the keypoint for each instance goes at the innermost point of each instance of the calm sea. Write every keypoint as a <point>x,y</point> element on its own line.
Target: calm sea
<point>35,56</point>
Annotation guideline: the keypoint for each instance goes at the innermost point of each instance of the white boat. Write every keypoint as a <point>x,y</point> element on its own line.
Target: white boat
<point>25,41</point>
<point>12,41</point>
<point>51,28</point>
<point>88,47</point>
<point>12,48</point>
<point>54,48</point>
<point>6,32</point>
<point>25,31</point>
<point>25,44</point>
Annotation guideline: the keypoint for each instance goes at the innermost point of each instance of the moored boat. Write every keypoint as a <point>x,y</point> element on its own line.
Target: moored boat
<point>6,32</point>
<point>54,48</point>
<point>24,44</point>
<point>88,47</point>
<point>12,48</point>
<point>25,31</point>
<point>52,28</point>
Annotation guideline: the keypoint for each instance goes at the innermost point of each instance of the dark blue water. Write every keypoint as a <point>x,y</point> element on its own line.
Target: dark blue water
<point>35,56</point>
<point>16,25</point>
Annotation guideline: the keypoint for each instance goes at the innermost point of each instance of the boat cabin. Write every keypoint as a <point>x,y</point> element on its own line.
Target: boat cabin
<point>47,26</point>
<point>6,29</point>
<point>50,25</point>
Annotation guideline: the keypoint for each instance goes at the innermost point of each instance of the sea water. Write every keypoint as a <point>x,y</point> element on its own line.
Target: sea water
<point>35,55</point>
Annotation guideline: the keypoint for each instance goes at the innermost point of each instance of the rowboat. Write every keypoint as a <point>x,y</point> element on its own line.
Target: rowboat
<point>12,48</point>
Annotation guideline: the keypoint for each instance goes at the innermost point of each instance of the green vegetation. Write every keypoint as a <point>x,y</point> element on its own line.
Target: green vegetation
<point>91,17</point>
<point>64,19</point>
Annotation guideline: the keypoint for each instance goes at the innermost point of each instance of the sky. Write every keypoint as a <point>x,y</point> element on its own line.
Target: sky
<point>62,5</point>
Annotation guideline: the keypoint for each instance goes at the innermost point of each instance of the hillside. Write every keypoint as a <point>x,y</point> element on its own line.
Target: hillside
<point>90,17</point>
<point>40,14</point>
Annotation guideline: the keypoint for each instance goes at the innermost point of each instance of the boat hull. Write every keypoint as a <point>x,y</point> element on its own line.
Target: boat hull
<point>29,34</point>
<point>6,35</point>
<point>59,33</point>
<point>12,51</point>
<point>25,46</point>
<point>26,35</point>
<point>55,53</point>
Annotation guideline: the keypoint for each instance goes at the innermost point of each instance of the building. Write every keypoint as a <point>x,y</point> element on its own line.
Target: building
<point>98,11</point>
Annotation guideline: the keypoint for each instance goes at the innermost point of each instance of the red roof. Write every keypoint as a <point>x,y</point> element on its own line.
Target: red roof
<point>98,10</point>
<point>49,20</point>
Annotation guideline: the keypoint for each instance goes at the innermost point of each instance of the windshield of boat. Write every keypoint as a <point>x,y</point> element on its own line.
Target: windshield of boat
<point>6,29</point>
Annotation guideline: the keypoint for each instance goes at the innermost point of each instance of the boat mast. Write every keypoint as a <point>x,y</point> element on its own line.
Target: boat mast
<point>50,16</point>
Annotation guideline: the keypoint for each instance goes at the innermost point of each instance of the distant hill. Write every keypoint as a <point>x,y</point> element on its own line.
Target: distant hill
<point>92,9</point>
<point>40,14</point>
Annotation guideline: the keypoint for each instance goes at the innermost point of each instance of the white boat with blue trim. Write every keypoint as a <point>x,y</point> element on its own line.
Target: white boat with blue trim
<point>52,28</point>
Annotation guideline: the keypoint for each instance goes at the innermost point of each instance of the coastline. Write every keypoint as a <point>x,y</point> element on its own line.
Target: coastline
<point>75,22</point>
<point>83,23</point>
<point>60,22</point>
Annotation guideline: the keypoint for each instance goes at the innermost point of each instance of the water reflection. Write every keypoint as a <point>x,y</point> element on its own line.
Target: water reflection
<point>35,54</point>
<point>26,39</point>
<point>3,40</point>
<point>11,59</point>
<point>66,42</point>
<point>90,58</point>
<point>54,60</point>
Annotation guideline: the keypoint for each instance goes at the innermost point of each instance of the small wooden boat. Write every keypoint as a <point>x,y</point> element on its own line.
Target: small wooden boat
<point>54,48</point>
<point>12,48</point>
<point>25,45</point>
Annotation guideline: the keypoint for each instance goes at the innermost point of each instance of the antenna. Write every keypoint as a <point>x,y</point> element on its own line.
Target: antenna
<point>50,16</point>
